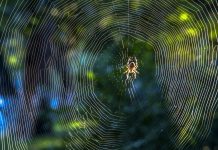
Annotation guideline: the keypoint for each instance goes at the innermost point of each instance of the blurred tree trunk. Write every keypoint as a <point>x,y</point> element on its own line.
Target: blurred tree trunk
<point>38,54</point>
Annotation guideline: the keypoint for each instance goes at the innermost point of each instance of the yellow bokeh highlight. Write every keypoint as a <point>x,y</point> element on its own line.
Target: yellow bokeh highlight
<point>90,75</point>
<point>191,31</point>
<point>78,124</point>
<point>12,60</point>
<point>213,34</point>
<point>106,21</point>
<point>184,17</point>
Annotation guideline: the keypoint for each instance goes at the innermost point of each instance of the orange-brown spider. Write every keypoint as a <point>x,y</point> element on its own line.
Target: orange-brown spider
<point>131,67</point>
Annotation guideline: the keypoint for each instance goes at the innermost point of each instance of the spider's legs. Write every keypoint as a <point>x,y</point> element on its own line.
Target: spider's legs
<point>134,75</point>
<point>127,76</point>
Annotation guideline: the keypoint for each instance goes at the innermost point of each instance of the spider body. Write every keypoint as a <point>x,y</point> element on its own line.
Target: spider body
<point>131,68</point>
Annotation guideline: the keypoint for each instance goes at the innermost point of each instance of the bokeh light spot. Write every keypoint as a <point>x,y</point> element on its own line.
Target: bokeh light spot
<point>90,75</point>
<point>184,17</point>
<point>12,60</point>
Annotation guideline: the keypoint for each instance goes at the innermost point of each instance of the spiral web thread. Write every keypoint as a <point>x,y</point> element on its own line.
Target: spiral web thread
<point>185,45</point>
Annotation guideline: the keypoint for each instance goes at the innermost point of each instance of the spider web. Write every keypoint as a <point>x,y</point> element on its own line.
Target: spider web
<point>56,66</point>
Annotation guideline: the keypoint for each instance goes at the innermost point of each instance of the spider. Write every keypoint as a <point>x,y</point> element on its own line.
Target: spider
<point>131,67</point>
